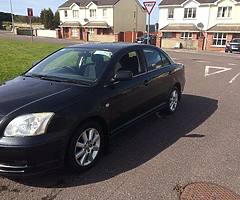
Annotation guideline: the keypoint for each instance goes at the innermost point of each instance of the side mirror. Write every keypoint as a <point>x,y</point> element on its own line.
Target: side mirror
<point>123,75</point>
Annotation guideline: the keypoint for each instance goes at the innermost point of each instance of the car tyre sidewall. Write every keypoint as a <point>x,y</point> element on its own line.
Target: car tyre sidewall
<point>70,158</point>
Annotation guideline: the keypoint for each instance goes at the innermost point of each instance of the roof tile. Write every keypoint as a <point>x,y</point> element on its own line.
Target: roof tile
<point>83,3</point>
<point>179,2</point>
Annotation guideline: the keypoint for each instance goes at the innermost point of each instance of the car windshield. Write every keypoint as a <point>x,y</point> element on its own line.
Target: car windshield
<point>73,65</point>
<point>236,40</point>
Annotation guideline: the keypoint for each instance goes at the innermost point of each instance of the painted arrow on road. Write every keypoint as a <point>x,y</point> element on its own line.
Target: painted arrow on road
<point>217,70</point>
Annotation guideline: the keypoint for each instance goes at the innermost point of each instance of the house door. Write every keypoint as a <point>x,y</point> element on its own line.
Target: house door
<point>66,32</point>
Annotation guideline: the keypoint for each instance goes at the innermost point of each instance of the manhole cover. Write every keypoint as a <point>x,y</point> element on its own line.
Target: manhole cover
<point>207,191</point>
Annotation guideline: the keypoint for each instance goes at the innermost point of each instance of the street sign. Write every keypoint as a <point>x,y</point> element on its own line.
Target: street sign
<point>30,12</point>
<point>30,15</point>
<point>149,5</point>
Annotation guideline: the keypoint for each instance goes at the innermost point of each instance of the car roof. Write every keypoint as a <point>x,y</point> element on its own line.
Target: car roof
<point>113,47</point>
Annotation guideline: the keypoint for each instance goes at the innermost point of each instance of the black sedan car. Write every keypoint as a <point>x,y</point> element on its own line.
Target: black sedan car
<point>233,46</point>
<point>67,106</point>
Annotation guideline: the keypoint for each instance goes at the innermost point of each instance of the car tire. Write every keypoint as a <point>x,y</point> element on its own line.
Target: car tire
<point>86,147</point>
<point>173,101</point>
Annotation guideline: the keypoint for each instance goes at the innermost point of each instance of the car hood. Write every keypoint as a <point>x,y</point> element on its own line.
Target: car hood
<point>36,95</point>
<point>235,43</point>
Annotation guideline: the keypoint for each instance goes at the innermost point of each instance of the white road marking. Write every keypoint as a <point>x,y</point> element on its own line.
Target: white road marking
<point>201,61</point>
<point>234,78</point>
<point>220,70</point>
<point>232,64</point>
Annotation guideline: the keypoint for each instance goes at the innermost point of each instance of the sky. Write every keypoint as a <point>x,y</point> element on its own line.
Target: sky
<point>20,6</point>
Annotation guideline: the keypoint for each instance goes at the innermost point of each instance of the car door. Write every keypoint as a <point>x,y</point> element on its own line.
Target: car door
<point>158,75</point>
<point>127,99</point>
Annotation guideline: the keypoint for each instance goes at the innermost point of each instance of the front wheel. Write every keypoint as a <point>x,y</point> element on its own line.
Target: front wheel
<point>173,101</point>
<point>85,147</point>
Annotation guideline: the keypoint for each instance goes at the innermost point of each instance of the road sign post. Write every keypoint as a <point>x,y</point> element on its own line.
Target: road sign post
<point>149,5</point>
<point>30,15</point>
<point>13,26</point>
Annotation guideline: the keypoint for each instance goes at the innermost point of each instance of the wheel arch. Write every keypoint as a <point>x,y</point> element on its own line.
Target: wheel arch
<point>97,119</point>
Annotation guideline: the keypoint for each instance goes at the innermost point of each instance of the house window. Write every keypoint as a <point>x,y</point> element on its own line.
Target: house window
<point>92,12</point>
<point>75,13</point>
<point>104,12</point>
<point>186,35</point>
<point>219,39</point>
<point>224,12</point>
<point>134,14</point>
<point>170,13</point>
<point>91,31</point>
<point>65,13</point>
<point>74,32</point>
<point>190,13</point>
<point>169,35</point>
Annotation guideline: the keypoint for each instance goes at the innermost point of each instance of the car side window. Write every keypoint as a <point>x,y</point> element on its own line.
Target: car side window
<point>165,60</point>
<point>129,62</point>
<point>155,59</point>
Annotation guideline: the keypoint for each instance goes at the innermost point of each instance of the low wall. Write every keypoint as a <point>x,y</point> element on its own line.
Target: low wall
<point>174,43</point>
<point>25,25</point>
<point>102,38</point>
<point>47,33</point>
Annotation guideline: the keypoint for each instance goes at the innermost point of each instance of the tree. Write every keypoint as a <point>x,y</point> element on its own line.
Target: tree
<point>56,19</point>
<point>47,18</point>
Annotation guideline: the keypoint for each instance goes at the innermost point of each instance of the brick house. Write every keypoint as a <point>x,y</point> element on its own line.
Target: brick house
<point>188,21</point>
<point>100,20</point>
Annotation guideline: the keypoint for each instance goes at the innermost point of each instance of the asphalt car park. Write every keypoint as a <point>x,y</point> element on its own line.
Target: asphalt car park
<point>200,142</point>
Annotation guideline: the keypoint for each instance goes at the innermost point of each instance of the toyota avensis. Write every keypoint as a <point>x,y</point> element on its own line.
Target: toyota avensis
<point>67,106</point>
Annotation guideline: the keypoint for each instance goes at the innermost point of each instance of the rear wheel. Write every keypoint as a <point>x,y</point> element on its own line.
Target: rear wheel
<point>85,147</point>
<point>173,101</point>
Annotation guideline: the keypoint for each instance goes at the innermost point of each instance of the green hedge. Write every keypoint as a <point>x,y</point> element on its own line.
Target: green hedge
<point>24,32</point>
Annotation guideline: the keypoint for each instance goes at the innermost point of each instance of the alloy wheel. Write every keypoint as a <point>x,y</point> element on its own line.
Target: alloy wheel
<point>173,102</point>
<point>87,147</point>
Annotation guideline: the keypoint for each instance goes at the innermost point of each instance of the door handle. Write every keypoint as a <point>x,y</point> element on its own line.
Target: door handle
<point>146,82</point>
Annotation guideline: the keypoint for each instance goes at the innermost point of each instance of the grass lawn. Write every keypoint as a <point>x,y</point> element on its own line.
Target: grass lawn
<point>17,56</point>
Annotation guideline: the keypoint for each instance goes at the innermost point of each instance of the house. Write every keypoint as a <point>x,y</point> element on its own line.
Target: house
<point>185,22</point>
<point>100,20</point>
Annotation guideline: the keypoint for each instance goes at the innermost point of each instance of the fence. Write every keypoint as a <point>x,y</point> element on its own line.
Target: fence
<point>23,31</point>
<point>129,36</point>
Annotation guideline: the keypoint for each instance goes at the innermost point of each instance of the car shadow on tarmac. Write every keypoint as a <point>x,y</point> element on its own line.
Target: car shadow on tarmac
<point>136,145</point>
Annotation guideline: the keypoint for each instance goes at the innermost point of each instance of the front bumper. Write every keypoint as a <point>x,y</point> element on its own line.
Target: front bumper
<point>232,48</point>
<point>27,156</point>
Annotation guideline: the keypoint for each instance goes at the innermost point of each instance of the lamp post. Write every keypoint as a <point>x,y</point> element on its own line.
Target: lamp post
<point>12,15</point>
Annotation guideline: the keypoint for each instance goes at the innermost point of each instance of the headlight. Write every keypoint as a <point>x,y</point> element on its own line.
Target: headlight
<point>28,125</point>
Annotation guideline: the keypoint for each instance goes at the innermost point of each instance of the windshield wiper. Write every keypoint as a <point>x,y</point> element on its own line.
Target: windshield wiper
<point>57,79</point>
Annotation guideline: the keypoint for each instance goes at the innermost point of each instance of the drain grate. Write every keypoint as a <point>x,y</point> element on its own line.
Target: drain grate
<point>207,191</point>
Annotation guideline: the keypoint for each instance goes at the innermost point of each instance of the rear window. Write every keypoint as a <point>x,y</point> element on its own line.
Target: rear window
<point>236,40</point>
